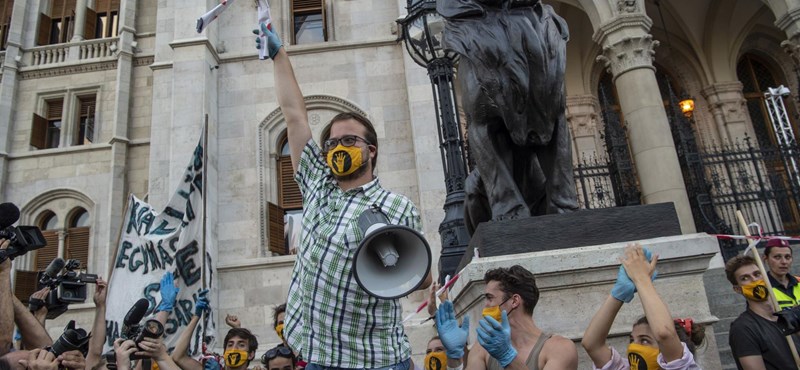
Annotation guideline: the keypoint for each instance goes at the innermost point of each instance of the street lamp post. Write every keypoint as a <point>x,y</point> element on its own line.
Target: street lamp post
<point>422,31</point>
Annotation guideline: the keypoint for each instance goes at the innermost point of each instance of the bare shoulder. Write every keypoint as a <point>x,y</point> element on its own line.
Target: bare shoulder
<point>558,353</point>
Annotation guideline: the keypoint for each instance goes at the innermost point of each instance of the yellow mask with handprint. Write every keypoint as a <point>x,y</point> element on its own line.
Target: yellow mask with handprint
<point>642,357</point>
<point>344,160</point>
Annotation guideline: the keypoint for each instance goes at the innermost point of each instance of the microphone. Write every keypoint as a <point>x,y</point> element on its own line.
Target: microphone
<point>136,313</point>
<point>54,267</point>
<point>9,214</point>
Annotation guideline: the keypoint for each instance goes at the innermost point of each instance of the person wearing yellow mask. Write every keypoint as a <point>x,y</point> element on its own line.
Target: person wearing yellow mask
<point>330,320</point>
<point>508,337</point>
<point>755,339</point>
<point>654,342</point>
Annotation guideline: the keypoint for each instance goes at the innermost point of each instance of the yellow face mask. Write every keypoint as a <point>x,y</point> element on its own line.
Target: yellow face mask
<point>756,291</point>
<point>642,357</point>
<point>495,312</point>
<point>279,331</point>
<point>436,360</point>
<point>344,160</point>
<point>235,357</point>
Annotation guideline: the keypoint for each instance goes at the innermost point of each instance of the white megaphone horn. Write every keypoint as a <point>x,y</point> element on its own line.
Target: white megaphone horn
<point>392,260</point>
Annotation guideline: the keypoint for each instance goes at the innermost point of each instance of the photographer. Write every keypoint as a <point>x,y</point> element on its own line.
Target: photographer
<point>6,305</point>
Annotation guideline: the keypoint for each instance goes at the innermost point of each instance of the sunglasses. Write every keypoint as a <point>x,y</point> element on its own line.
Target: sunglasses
<point>275,352</point>
<point>347,140</point>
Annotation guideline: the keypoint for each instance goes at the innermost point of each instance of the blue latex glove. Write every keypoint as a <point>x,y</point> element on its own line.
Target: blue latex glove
<point>202,303</point>
<point>169,292</point>
<point>211,364</point>
<point>453,337</point>
<point>274,42</point>
<point>624,288</point>
<point>496,339</point>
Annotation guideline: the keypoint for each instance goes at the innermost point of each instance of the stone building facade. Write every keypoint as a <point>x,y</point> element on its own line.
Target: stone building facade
<point>88,117</point>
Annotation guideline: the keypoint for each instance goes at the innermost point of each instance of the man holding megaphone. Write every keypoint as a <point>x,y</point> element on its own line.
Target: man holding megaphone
<point>360,248</point>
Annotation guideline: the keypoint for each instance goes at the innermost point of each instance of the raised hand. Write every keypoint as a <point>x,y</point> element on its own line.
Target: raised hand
<point>453,337</point>
<point>169,292</point>
<point>72,360</point>
<point>233,321</point>
<point>100,292</point>
<point>202,304</point>
<point>39,359</point>
<point>274,42</point>
<point>495,337</point>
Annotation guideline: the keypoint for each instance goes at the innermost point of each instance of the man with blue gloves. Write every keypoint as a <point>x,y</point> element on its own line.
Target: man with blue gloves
<point>508,337</point>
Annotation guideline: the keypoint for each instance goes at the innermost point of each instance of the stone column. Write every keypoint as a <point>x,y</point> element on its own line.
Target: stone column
<point>118,180</point>
<point>628,53</point>
<point>80,21</point>
<point>582,118</point>
<point>728,106</point>
<point>8,87</point>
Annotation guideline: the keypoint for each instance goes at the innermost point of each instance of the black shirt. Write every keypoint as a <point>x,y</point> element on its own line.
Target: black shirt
<point>753,335</point>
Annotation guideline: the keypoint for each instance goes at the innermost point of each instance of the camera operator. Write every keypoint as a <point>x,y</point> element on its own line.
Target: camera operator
<point>6,305</point>
<point>94,356</point>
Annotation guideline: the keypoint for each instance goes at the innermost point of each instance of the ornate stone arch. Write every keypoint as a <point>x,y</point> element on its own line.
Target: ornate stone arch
<point>62,202</point>
<point>321,108</point>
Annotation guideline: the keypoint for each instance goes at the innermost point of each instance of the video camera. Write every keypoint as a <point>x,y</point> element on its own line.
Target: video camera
<point>23,238</point>
<point>134,329</point>
<point>70,340</point>
<point>65,288</point>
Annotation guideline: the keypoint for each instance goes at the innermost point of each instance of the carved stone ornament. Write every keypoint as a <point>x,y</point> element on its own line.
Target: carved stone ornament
<point>627,6</point>
<point>792,48</point>
<point>628,54</point>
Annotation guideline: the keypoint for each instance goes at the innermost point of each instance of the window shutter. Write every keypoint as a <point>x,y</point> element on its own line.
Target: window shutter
<point>43,38</point>
<point>300,6</point>
<point>77,246</point>
<point>50,251</point>
<point>288,190</point>
<point>39,132</point>
<point>277,243</point>
<point>54,109</point>
<point>90,25</point>
<point>25,284</point>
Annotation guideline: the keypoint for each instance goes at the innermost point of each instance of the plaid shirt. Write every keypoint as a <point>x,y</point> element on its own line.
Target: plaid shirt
<point>329,318</point>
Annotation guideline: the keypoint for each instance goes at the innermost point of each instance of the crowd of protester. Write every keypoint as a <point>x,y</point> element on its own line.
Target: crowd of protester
<point>506,330</point>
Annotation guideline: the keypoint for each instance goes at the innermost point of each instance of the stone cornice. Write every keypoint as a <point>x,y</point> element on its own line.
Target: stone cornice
<point>42,72</point>
<point>143,61</point>
<point>582,100</point>
<point>203,41</point>
<point>315,48</point>
<point>622,21</point>
<point>786,20</point>
<point>160,65</point>
<point>60,151</point>
<point>628,54</point>
<point>257,263</point>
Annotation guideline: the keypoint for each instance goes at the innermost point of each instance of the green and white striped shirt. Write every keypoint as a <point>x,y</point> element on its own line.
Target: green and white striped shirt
<point>329,318</point>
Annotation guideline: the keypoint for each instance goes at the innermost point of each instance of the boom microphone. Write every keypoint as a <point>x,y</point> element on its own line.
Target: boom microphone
<point>55,266</point>
<point>136,313</point>
<point>9,214</point>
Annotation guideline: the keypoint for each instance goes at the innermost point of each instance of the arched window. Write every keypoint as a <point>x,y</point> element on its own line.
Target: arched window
<point>77,241</point>
<point>756,78</point>
<point>48,222</point>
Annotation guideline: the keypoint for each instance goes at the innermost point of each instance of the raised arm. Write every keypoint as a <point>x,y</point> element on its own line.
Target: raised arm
<point>594,338</point>
<point>658,316</point>
<point>98,338</point>
<point>290,99</point>
<point>6,305</point>
<point>33,333</point>
<point>179,353</point>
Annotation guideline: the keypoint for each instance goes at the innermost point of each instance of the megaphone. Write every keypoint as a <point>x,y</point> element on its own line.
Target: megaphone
<point>392,260</point>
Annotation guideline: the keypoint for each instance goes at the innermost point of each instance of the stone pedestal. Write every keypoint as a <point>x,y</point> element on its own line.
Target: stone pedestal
<point>574,282</point>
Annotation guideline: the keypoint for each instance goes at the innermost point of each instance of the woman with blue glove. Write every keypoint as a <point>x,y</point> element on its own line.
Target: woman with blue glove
<point>654,342</point>
<point>508,337</point>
